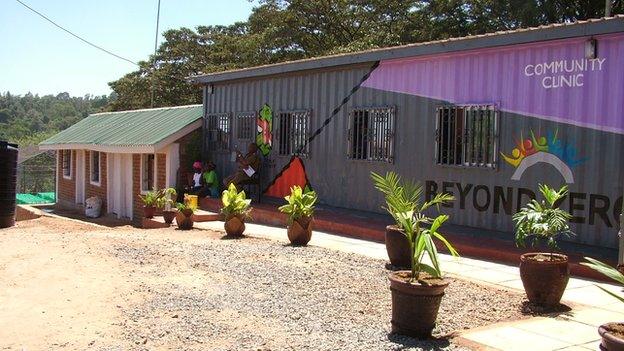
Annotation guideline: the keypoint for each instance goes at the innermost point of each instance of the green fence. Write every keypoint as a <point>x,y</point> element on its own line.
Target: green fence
<point>36,198</point>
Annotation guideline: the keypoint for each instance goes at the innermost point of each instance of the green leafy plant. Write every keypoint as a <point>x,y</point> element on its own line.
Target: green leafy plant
<point>608,271</point>
<point>403,202</point>
<point>167,198</point>
<point>235,203</point>
<point>299,204</point>
<point>185,207</point>
<point>151,198</point>
<point>543,220</point>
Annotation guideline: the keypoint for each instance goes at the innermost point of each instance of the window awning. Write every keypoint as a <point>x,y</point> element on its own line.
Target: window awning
<point>138,131</point>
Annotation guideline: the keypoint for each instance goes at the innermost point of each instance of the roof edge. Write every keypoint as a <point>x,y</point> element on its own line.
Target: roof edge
<point>146,109</point>
<point>605,25</point>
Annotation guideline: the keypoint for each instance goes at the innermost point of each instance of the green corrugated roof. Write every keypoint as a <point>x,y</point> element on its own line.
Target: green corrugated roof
<point>128,128</point>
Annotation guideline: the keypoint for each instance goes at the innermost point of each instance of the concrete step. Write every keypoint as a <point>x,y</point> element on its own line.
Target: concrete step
<point>206,216</point>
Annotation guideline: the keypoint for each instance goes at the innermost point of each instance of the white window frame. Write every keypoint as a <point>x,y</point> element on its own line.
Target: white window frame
<point>143,157</point>
<point>91,168</point>
<point>71,154</point>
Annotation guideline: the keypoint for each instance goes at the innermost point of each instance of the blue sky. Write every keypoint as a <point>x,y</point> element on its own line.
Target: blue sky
<point>35,56</point>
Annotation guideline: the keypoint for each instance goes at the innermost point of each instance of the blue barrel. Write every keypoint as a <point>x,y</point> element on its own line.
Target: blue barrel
<point>8,183</point>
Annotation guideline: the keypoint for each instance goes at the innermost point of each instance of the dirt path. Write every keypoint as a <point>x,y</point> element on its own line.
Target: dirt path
<point>70,286</point>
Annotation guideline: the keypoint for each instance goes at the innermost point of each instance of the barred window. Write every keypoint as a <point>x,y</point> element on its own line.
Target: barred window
<point>245,123</point>
<point>292,133</point>
<point>371,134</point>
<point>218,132</point>
<point>66,156</point>
<point>467,135</point>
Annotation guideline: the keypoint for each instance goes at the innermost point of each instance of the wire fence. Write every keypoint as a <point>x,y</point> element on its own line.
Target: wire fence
<point>36,179</point>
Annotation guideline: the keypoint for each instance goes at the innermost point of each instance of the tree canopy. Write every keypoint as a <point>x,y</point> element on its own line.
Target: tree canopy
<point>29,119</point>
<point>285,30</point>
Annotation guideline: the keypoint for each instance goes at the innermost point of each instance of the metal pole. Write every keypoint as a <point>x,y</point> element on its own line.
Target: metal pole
<point>155,48</point>
<point>607,8</point>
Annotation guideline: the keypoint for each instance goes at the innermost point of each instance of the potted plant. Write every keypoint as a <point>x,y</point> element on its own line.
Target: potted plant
<point>397,246</point>
<point>235,210</point>
<point>167,203</point>
<point>544,274</point>
<point>300,211</point>
<point>150,202</point>
<point>184,216</point>
<point>612,333</point>
<point>416,293</point>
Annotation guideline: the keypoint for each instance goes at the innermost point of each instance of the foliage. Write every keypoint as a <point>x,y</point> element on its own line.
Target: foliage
<point>403,203</point>
<point>286,30</point>
<point>299,204</point>
<point>401,197</point>
<point>543,221</point>
<point>235,203</point>
<point>167,198</point>
<point>30,119</point>
<point>151,198</point>
<point>186,207</point>
<point>608,271</point>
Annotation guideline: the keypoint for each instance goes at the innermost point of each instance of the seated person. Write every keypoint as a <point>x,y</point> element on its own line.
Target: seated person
<point>248,165</point>
<point>197,182</point>
<point>211,181</point>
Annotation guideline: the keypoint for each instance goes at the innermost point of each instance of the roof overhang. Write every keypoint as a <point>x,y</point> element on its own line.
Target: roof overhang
<point>503,38</point>
<point>127,149</point>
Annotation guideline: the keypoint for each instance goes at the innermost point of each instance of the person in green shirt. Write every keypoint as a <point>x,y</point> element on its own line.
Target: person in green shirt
<point>211,181</point>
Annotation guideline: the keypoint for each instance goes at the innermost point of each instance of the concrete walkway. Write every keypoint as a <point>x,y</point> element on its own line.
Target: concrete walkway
<point>573,330</point>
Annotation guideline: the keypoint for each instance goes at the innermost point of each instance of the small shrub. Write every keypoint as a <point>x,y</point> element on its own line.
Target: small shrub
<point>299,204</point>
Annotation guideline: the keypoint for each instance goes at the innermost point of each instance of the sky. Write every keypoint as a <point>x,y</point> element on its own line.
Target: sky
<point>39,58</point>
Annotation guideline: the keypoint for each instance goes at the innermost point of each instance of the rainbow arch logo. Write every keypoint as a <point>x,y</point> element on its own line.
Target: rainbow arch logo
<point>547,148</point>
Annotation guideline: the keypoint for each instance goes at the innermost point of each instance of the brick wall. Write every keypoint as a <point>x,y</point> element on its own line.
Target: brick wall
<point>95,190</point>
<point>161,171</point>
<point>66,187</point>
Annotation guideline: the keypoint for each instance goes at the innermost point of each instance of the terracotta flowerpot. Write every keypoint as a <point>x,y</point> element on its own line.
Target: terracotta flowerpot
<point>397,246</point>
<point>168,216</point>
<point>415,307</point>
<point>611,341</point>
<point>544,280</point>
<point>234,226</point>
<point>300,231</point>
<point>184,219</point>
<point>148,211</point>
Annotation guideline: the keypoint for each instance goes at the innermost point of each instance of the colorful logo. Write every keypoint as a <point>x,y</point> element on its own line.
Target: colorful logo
<point>264,139</point>
<point>543,149</point>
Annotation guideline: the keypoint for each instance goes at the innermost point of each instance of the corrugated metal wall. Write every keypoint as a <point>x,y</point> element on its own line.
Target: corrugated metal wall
<point>346,183</point>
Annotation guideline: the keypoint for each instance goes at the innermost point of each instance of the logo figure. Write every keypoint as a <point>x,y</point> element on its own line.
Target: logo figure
<point>264,139</point>
<point>543,149</point>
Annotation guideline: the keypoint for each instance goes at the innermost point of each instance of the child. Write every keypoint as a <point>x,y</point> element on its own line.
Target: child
<point>211,181</point>
<point>197,177</point>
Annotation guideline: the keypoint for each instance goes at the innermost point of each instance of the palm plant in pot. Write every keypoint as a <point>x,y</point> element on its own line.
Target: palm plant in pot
<point>404,196</point>
<point>544,274</point>
<point>150,202</point>
<point>416,293</point>
<point>167,203</point>
<point>612,333</point>
<point>184,216</point>
<point>300,211</point>
<point>235,210</point>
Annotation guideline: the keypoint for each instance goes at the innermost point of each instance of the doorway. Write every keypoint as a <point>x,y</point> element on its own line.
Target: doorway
<point>120,185</point>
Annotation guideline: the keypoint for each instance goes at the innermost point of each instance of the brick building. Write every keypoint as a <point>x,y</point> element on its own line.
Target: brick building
<point>117,156</point>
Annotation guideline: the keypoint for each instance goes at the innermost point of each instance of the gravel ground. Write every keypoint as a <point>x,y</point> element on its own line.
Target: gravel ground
<point>70,286</point>
<point>263,295</point>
